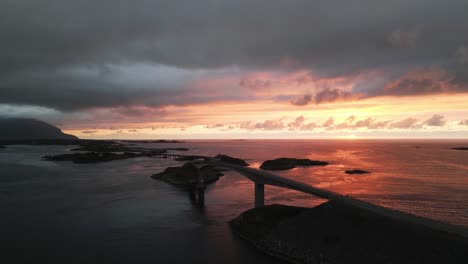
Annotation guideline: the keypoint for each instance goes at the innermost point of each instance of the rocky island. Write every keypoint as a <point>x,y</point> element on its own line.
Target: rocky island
<point>158,141</point>
<point>289,163</point>
<point>186,175</point>
<point>460,148</point>
<point>356,172</point>
<point>336,232</point>
<point>93,151</point>
<point>231,160</point>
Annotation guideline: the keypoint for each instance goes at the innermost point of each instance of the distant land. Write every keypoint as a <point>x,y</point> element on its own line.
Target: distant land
<point>16,129</point>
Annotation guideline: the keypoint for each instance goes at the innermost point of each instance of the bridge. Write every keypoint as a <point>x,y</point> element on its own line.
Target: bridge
<point>261,178</point>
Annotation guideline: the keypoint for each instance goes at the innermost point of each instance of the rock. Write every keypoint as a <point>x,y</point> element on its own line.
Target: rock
<point>95,157</point>
<point>2,147</point>
<point>91,157</point>
<point>231,160</point>
<point>152,141</point>
<point>289,163</point>
<point>189,158</point>
<point>107,150</point>
<point>356,172</point>
<point>461,148</point>
<point>113,146</point>
<point>256,224</point>
<point>186,175</point>
<point>101,146</point>
<point>340,232</point>
<point>178,149</point>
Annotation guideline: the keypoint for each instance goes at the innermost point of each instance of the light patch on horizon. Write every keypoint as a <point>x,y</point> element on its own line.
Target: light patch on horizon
<point>440,115</point>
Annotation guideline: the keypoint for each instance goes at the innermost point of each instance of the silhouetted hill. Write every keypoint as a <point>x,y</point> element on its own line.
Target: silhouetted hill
<point>30,129</point>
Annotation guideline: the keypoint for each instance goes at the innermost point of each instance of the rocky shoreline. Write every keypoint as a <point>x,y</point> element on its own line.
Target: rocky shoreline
<point>335,232</point>
<point>94,151</point>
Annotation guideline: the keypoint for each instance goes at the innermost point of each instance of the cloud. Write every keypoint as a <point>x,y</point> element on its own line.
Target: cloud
<point>76,56</point>
<point>270,125</point>
<point>327,95</point>
<point>368,123</point>
<point>89,131</point>
<point>309,126</point>
<point>421,81</point>
<point>302,100</point>
<point>435,120</point>
<point>401,38</point>
<point>266,125</point>
<point>297,122</point>
<point>371,123</point>
<point>405,123</point>
<point>462,53</point>
<point>332,95</point>
<point>255,84</point>
<point>218,125</point>
<point>330,122</point>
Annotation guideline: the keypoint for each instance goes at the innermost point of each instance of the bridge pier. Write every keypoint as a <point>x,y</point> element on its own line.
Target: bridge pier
<point>200,188</point>
<point>259,195</point>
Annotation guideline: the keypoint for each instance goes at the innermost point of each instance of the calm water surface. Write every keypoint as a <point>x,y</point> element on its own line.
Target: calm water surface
<point>113,212</point>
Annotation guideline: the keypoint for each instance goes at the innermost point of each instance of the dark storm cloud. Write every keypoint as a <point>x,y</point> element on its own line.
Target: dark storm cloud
<point>38,39</point>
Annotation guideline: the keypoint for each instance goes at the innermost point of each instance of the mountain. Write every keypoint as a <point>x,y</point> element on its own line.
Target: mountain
<point>30,129</point>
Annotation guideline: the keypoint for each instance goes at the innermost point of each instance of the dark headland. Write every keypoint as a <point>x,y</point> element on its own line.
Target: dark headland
<point>25,130</point>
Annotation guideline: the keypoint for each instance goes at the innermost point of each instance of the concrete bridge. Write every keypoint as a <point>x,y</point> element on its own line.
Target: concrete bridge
<point>262,178</point>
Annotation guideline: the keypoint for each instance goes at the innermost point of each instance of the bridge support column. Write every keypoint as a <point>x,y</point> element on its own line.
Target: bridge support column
<point>259,195</point>
<point>200,187</point>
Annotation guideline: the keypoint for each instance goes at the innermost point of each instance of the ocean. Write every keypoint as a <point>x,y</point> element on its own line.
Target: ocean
<point>115,213</point>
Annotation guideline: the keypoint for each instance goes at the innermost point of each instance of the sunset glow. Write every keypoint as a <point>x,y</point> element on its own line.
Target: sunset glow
<point>302,79</point>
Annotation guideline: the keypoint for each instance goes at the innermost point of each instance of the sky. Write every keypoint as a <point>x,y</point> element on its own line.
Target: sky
<point>184,69</point>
